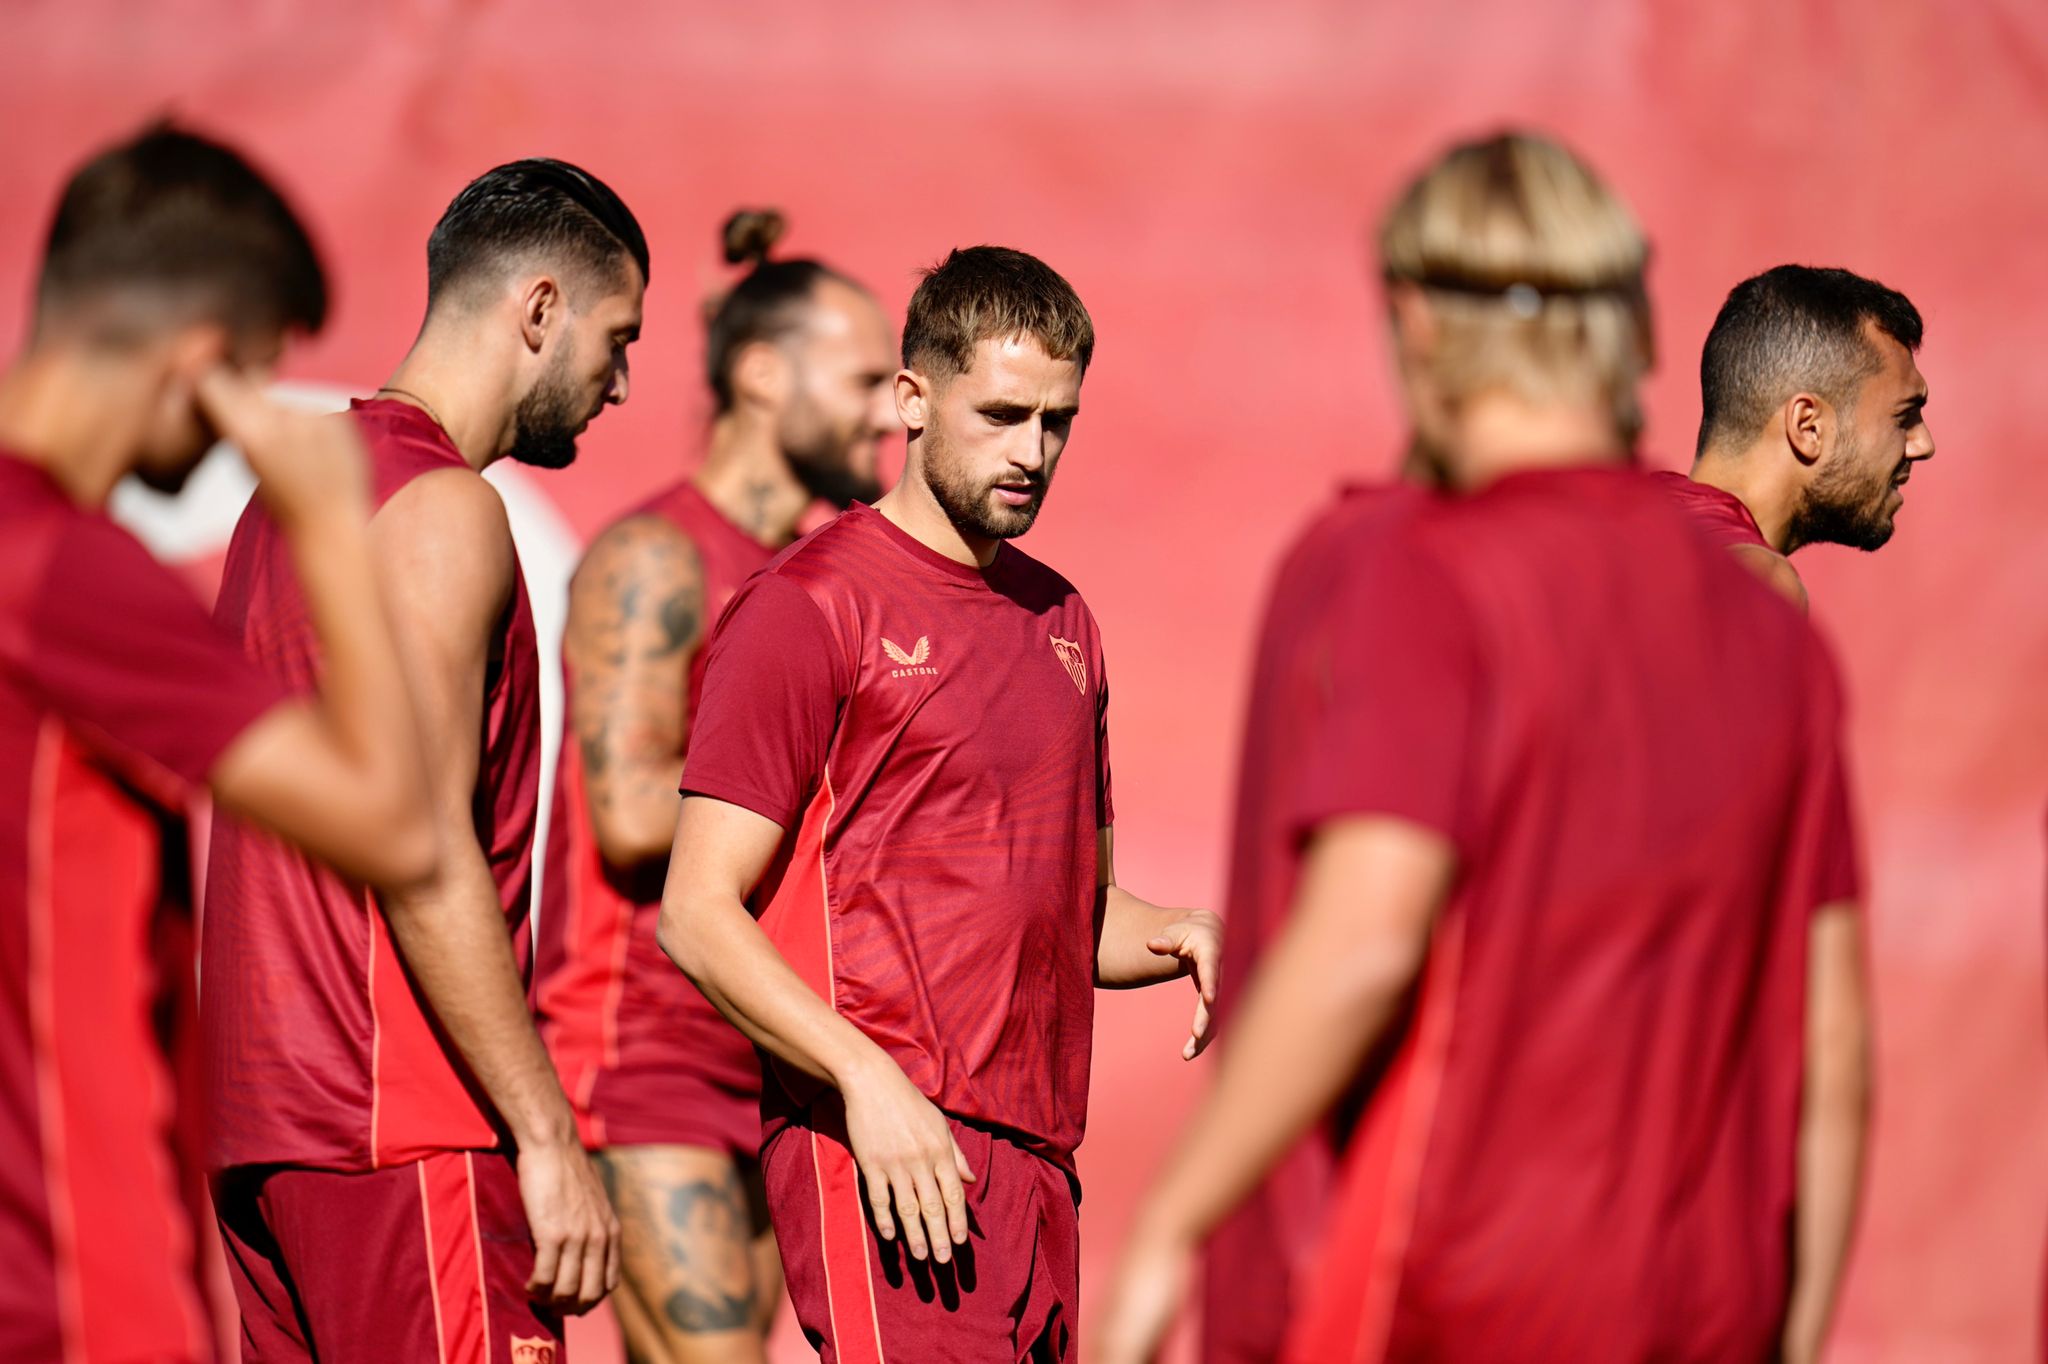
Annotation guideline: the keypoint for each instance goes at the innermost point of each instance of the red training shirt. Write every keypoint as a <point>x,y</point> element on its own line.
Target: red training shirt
<point>1255,1260</point>
<point>319,1051</point>
<point>1584,1146</point>
<point>115,689</point>
<point>613,1010</point>
<point>1725,517</point>
<point>934,737</point>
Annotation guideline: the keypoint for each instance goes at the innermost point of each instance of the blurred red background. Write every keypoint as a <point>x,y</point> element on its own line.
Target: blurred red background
<point>1207,176</point>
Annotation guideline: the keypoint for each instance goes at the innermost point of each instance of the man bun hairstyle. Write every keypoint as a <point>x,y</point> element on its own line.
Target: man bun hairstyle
<point>768,304</point>
<point>1534,271</point>
<point>1793,329</point>
<point>173,214</point>
<point>540,209</point>
<point>991,293</point>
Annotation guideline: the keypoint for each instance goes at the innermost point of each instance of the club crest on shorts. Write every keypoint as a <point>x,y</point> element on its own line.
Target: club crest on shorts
<point>532,1350</point>
<point>911,662</point>
<point>1075,662</point>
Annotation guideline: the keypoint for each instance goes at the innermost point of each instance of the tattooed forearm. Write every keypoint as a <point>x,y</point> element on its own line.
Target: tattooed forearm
<point>635,620</point>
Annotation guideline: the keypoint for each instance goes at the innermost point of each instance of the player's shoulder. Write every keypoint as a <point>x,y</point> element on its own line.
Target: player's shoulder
<point>643,542</point>
<point>1775,571</point>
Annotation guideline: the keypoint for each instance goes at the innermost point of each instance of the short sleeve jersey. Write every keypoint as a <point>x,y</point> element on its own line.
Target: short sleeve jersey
<point>1724,517</point>
<point>1256,1259</point>
<point>1634,749</point>
<point>318,1049</point>
<point>934,738</point>
<point>114,686</point>
<point>611,1006</point>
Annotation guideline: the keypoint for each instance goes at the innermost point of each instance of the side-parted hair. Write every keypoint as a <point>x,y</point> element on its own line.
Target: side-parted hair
<point>769,303</point>
<point>1794,329</point>
<point>185,224</point>
<point>991,293</point>
<point>1534,271</point>
<point>534,208</point>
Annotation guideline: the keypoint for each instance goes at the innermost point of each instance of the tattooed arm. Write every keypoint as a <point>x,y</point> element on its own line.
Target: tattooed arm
<point>636,617</point>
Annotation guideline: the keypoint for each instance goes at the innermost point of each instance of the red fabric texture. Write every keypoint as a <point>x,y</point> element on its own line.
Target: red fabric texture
<point>319,1051</point>
<point>1722,515</point>
<point>940,732</point>
<point>861,1300</point>
<point>424,1262</point>
<point>1255,1260</point>
<point>116,693</point>
<point>1635,749</point>
<point>643,1055</point>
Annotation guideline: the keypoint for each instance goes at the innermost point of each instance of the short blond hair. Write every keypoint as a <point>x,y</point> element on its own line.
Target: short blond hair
<point>1534,269</point>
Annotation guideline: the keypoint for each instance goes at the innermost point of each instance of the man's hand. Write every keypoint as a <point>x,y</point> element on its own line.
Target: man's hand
<point>575,1231</point>
<point>307,464</point>
<point>1147,1295</point>
<point>1196,941</point>
<point>905,1151</point>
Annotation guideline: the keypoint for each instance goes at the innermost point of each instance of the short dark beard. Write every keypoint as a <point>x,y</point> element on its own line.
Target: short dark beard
<point>822,469</point>
<point>1840,507</point>
<point>968,504</point>
<point>545,423</point>
<point>817,455</point>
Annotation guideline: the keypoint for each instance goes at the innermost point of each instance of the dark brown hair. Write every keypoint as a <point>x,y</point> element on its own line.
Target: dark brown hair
<point>991,293</point>
<point>768,303</point>
<point>173,213</point>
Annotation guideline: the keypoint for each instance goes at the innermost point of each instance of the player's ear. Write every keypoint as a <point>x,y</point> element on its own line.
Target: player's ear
<point>1413,320</point>
<point>761,372</point>
<point>914,393</point>
<point>1806,418</point>
<point>541,309</point>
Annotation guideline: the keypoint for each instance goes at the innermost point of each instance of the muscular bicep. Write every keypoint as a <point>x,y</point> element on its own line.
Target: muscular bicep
<point>636,619</point>
<point>446,568</point>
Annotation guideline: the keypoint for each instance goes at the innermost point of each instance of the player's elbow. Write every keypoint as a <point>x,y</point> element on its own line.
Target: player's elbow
<point>404,851</point>
<point>674,934</point>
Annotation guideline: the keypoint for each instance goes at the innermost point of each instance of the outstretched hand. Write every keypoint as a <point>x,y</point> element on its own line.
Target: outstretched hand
<point>1196,939</point>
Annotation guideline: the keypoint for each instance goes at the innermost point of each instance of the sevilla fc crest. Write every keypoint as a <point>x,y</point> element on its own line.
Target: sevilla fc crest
<point>532,1350</point>
<point>1075,661</point>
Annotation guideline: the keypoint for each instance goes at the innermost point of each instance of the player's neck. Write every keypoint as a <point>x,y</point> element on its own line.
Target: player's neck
<point>79,419</point>
<point>747,478</point>
<point>1748,477</point>
<point>1497,434</point>
<point>447,374</point>
<point>917,513</point>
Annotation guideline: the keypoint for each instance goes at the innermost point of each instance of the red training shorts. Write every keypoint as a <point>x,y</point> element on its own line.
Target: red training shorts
<point>422,1263</point>
<point>1011,1293</point>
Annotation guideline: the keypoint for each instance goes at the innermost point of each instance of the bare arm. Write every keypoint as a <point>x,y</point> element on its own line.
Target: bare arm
<point>338,774</point>
<point>1143,943</point>
<point>901,1143</point>
<point>1337,977</point>
<point>445,558</point>
<point>1834,1122</point>
<point>636,618</point>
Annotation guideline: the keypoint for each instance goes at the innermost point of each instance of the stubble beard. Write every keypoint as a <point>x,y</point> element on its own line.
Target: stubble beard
<point>969,503</point>
<point>1844,506</point>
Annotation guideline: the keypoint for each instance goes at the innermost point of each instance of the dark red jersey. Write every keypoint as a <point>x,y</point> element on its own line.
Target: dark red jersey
<point>319,1050</point>
<point>1256,1259</point>
<point>641,1052</point>
<point>934,738</point>
<point>1722,515</point>
<point>117,694</point>
<point>1584,1144</point>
